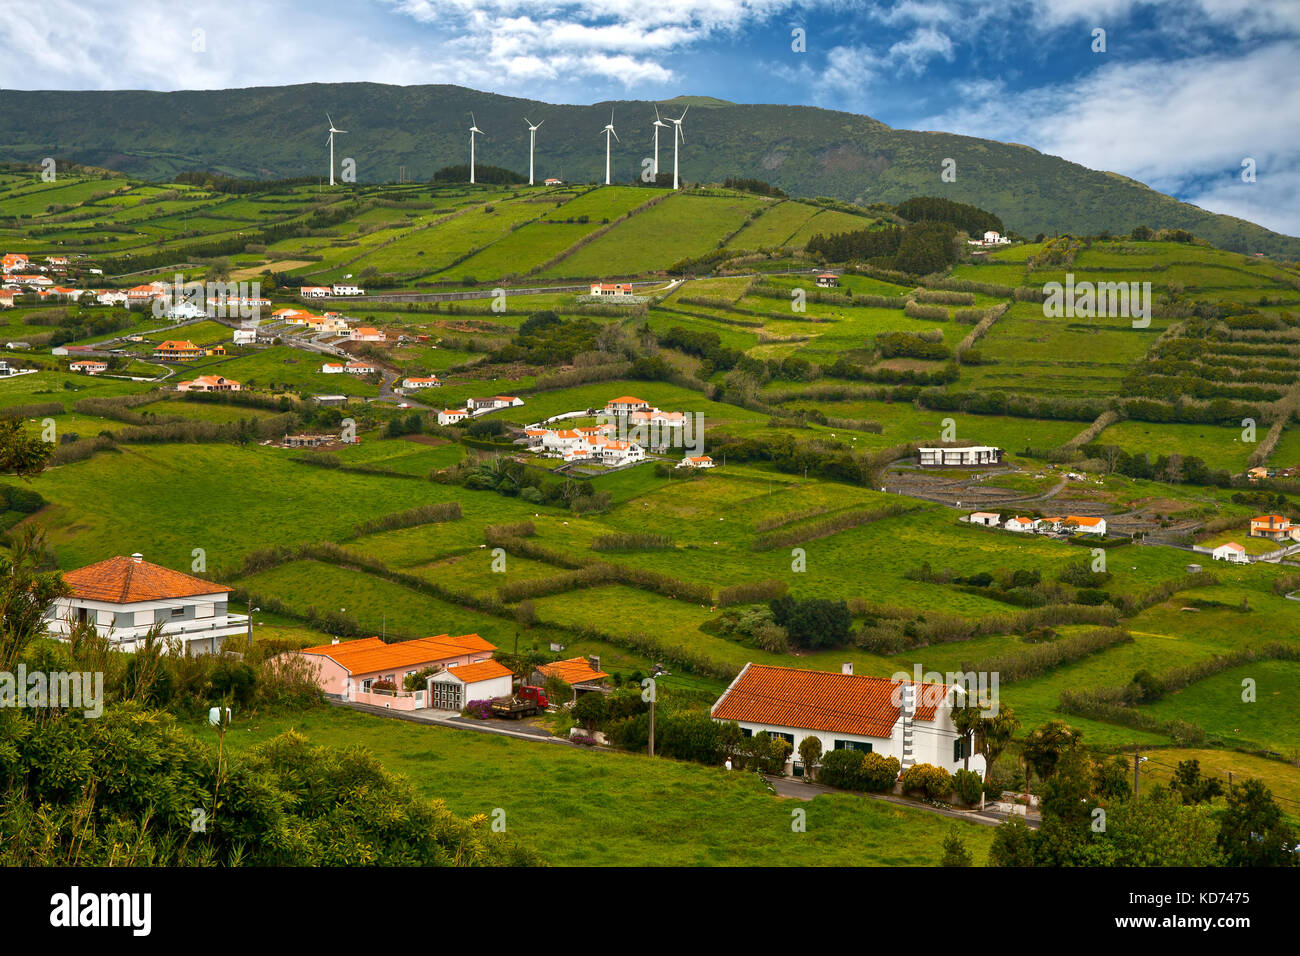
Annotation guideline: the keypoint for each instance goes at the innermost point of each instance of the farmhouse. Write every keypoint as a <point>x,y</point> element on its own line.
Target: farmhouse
<point>902,719</point>
<point>340,288</point>
<point>986,518</point>
<point>89,366</point>
<point>451,416</point>
<point>626,405</point>
<point>13,262</point>
<point>349,669</point>
<point>125,598</point>
<point>698,461</point>
<point>477,405</point>
<point>430,381</point>
<point>1084,525</point>
<point>176,351</point>
<point>611,288</point>
<point>7,297</point>
<point>553,182</point>
<point>615,453</point>
<point>1277,527</point>
<point>245,336</point>
<point>958,457</point>
<point>1231,552</point>
<point>308,441</point>
<point>209,383</point>
<point>827,280</point>
<point>314,292</point>
<point>1019,524</point>
<point>364,333</point>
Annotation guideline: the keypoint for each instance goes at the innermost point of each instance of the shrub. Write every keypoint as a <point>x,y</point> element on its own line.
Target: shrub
<point>968,786</point>
<point>926,778</point>
<point>591,710</point>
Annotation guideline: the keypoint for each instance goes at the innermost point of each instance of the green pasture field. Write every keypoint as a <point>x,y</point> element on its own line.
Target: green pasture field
<point>583,808</point>
<point>1217,446</point>
<point>775,226</point>
<point>1265,723</point>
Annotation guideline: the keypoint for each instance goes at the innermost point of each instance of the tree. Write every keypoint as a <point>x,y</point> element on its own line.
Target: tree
<point>954,850</point>
<point>1252,831</point>
<point>26,594</point>
<point>1044,746</point>
<point>1191,787</point>
<point>966,720</point>
<point>22,454</point>
<point>993,735</point>
<point>1013,844</point>
<point>810,751</point>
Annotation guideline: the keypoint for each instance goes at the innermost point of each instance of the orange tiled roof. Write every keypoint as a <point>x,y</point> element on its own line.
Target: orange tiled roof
<point>818,700</point>
<point>576,670</point>
<point>626,400</point>
<point>480,670</point>
<point>370,654</point>
<point>123,580</point>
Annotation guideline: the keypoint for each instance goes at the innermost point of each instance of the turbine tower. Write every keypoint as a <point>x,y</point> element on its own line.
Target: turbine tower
<point>609,131</point>
<point>332,132</point>
<point>677,135</point>
<point>658,123</point>
<point>532,142</point>
<point>473,128</point>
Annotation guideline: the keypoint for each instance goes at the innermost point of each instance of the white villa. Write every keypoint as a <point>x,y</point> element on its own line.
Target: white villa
<point>124,598</point>
<point>991,238</point>
<point>451,416</point>
<point>699,461</point>
<point>968,457</point>
<point>340,288</point>
<point>1019,524</point>
<point>245,336</point>
<point>430,381</point>
<point>477,405</point>
<point>987,518</point>
<point>902,719</point>
<point>611,288</point>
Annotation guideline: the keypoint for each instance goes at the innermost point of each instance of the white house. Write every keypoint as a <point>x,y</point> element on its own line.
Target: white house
<point>340,288</point>
<point>245,336</point>
<point>314,292</point>
<point>124,598</point>
<point>611,288</point>
<point>557,442</point>
<point>1231,552</point>
<point>614,453</point>
<point>364,333</point>
<point>430,381</point>
<point>626,405</point>
<point>332,368</point>
<point>476,405</point>
<point>89,366</point>
<point>456,686</point>
<point>903,719</point>
<point>698,461</point>
<point>1019,524</point>
<point>986,518</point>
<point>1082,524</point>
<point>452,416</point>
<point>967,457</point>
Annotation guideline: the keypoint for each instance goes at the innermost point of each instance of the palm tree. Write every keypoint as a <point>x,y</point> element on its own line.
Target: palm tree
<point>994,734</point>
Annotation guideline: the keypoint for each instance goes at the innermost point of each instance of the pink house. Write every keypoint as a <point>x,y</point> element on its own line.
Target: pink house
<point>349,669</point>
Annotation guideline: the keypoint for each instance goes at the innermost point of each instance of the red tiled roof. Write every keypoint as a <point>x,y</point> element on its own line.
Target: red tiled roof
<point>371,654</point>
<point>480,670</point>
<point>576,670</point>
<point>818,700</point>
<point>123,580</point>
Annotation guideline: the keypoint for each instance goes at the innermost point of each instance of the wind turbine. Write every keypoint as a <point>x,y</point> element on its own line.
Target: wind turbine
<point>609,131</point>
<point>473,128</point>
<point>677,135</point>
<point>532,142</point>
<point>658,123</point>
<point>332,132</point>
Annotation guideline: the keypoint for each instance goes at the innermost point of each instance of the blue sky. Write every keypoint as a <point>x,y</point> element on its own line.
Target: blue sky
<point>1184,92</point>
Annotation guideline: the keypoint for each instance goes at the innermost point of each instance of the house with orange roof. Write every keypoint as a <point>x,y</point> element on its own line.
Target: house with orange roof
<point>611,288</point>
<point>350,670</point>
<point>314,292</point>
<point>13,262</point>
<point>422,381</point>
<point>209,383</point>
<point>452,416</point>
<point>616,453</point>
<point>583,674</point>
<point>827,280</point>
<point>459,685</point>
<point>88,366</point>
<point>696,461</point>
<point>909,720</point>
<point>7,297</point>
<point>1019,524</point>
<point>127,598</point>
<point>1083,524</point>
<point>177,351</point>
<point>1230,552</point>
<point>366,333</point>
<point>626,405</point>
<point>1277,527</point>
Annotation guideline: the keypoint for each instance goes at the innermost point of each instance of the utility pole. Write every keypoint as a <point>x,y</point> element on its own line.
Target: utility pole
<point>652,722</point>
<point>1137,760</point>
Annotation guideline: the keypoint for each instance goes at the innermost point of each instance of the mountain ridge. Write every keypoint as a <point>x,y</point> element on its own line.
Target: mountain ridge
<point>272,132</point>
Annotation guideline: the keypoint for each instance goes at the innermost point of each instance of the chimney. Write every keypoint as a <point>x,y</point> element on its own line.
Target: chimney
<point>846,667</point>
<point>594,661</point>
<point>137,557</point>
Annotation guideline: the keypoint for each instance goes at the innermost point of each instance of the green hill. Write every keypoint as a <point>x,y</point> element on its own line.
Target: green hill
<point>271,132</point>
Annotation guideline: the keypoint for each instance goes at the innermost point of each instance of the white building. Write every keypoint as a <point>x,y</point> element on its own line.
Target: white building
<point>492,403</point>
<point>986,518</point>
<point>365,333</point>
<point>245,336</point>
<point>611,288</point>
<point>455,687</point>
<point>124,598</point>
<point>967,457</point>
<point>340,288</point>
<point>1231,552</point>
<point>314,292</point>
<point>698,461</point>
<point>430,381</point>
<point>1019,524</point>
<point>615,453</point>
<point>902,719</point>
<point>452,416</point>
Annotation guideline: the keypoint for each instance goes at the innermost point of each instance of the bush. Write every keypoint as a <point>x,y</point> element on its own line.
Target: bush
<point>590,711</point>
<point>968,786</point>
<point>934,782</point>
<point>855,770</point>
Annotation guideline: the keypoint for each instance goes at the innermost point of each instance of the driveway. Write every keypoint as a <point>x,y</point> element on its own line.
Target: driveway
<point>794,788</point>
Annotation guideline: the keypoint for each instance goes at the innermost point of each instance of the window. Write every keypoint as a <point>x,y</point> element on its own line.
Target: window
<point>178,612</point>
<point>776,734</point>
<point>853,745</point>
<point>746,732</point>
<point>959,751</point>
